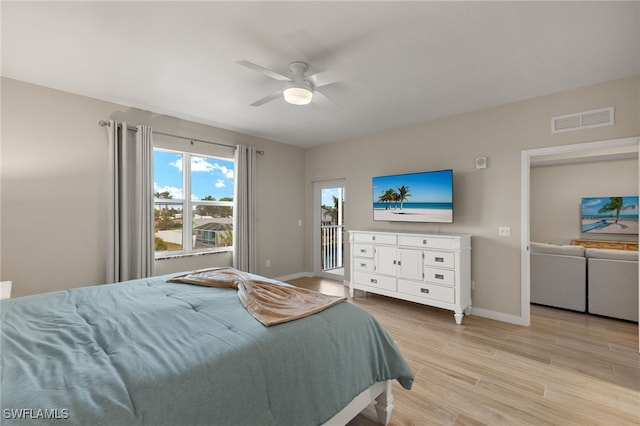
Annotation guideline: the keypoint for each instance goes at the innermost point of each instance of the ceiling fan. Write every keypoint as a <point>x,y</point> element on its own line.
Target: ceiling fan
<point>298,88</point>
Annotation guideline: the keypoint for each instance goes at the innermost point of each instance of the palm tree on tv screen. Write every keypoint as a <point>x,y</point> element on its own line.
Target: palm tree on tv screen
<point>387,197</point>
<point>615,204</point>
<point>403,194</point>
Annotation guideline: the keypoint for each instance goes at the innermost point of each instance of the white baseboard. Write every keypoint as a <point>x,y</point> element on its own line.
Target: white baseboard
<point>294,276</point>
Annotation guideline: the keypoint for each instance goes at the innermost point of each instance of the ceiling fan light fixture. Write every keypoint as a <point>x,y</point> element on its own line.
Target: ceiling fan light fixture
<point>298,95</point>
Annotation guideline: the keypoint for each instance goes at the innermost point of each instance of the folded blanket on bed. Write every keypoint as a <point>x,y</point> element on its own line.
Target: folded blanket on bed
<point>269,303</point>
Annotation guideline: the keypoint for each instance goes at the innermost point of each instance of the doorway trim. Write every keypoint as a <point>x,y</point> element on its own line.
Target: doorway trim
<point>564,152</point>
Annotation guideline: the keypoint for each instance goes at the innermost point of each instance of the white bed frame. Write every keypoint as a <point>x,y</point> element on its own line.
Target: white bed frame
<point>379,396</point>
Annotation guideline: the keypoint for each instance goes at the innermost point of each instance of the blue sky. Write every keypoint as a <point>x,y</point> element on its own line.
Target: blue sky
<point>209,176</point>
<point>328,194</point>
<point>434,187</point>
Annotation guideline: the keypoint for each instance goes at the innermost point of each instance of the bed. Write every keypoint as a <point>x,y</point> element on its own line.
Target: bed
<point>151,352</point>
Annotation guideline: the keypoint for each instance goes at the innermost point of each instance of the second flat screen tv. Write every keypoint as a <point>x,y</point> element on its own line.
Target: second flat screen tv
<point>609,215</point>
<point>414,197</point>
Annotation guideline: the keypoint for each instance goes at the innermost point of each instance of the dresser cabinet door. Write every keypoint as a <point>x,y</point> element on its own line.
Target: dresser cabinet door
<point>410,264</point>
<point>385,260</point>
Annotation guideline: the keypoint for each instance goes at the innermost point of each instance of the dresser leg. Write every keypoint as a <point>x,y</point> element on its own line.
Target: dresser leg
<point>458,316</point>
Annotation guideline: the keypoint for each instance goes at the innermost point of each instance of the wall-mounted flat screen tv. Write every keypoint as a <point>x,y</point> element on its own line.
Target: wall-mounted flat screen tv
<point>609,215</point>
<point>414,197</point>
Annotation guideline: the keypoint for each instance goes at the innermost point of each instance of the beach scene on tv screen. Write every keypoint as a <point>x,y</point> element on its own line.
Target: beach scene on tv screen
<point>414,197</point>
<point>610,215</point>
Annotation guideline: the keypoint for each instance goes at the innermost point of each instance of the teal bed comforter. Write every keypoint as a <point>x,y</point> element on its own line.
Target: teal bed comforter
<point>148,352</point>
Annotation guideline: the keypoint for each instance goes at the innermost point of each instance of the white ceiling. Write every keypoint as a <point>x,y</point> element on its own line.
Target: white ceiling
<point>401,62</point>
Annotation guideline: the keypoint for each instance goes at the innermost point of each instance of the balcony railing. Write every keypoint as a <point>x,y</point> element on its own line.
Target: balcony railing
<point>332,247</point>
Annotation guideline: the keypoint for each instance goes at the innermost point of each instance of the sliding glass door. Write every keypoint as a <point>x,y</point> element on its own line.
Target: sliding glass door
<point>328,232</point>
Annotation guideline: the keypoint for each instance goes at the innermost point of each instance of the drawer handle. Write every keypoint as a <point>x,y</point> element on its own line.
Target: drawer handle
<point>374,281</point>
<point>373,238</point>
<point>424,290</point>
<point>363,250</point>
<point>363,265</point>
<point>424,242</point>
<point>439,276</point>
<point>439,259</point>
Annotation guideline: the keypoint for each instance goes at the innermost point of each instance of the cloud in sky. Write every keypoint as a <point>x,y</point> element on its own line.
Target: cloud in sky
<point>227,172</point>
<point>174,193</point>
<point>220,183</point>
<point>177,164</point>
<point>592,203</point>
<point>199,164</point>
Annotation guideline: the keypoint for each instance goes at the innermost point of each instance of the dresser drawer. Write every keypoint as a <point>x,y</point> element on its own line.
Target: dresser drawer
<point>426,241</point>
<point>363,250</point>
<point>428,291</point>
<point>385,283</point>
<point>375,238</point>
<point>439,259</point>
<point>363,264</point>
<point>439,276</point>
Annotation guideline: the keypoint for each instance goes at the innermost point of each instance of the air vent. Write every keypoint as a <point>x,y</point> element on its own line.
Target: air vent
<point>582,120</point>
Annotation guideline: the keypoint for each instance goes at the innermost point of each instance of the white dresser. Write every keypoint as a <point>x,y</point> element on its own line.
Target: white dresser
<point>432,269</point>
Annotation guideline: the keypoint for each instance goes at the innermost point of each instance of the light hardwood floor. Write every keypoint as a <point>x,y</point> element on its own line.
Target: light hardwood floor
<point>566,368</point>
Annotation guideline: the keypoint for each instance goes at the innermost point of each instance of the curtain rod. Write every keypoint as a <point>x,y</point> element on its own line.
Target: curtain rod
<point>103,123</point>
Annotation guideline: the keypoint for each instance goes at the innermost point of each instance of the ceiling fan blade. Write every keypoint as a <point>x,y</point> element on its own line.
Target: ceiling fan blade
<point>323,100</point>
<point>271,97</point>
<point>325,78</point>
<point>263,70</point>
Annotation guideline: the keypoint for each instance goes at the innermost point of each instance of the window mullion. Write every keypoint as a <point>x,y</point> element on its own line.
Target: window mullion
<point>187,214</point>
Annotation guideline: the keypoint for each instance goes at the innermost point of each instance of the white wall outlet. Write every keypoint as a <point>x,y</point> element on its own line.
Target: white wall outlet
<point>504,231</point>
<point>268,263</point>
<point>299,222</point>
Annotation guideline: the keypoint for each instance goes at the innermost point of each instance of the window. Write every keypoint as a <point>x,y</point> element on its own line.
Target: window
<point>202,221</point>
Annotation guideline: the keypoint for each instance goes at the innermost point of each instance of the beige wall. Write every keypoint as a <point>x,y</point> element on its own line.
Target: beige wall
<point>54,190</point>
<point>483,199</point>
<point>54,199</point>
<point>556,192</point>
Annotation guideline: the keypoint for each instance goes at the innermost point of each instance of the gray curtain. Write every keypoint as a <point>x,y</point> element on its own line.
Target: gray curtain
<point>244,226</point>
<point>130,247</point>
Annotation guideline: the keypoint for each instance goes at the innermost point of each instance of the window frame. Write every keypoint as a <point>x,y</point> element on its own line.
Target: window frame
<point>188,205</point>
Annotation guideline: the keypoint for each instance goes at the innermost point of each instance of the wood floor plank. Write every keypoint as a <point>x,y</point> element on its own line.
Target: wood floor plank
<point>567,368</point>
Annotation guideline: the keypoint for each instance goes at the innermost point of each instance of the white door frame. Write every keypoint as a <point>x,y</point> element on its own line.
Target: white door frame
<point>574,150</point>
<point>318,186</point>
